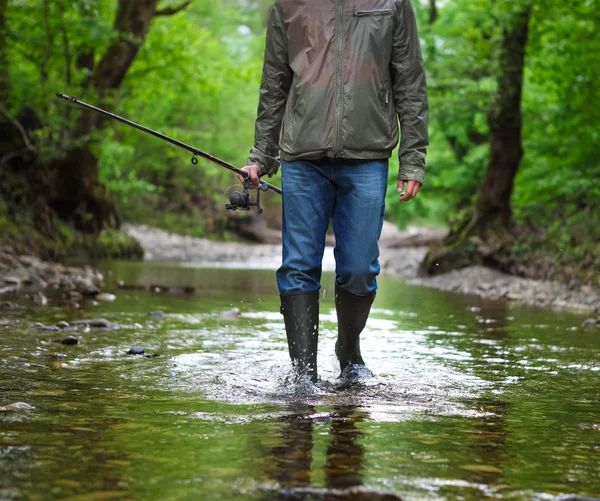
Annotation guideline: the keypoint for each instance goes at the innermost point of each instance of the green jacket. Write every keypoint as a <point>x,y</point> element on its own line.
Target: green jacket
<point>336,75</point>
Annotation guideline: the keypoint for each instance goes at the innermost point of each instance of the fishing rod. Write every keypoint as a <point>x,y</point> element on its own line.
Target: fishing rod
<point>237,200</point>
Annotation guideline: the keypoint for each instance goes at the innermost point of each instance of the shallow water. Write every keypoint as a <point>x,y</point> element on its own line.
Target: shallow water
<point>473,399</point>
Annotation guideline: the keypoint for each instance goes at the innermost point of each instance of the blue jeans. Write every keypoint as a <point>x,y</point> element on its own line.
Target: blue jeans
<point>351,194</point>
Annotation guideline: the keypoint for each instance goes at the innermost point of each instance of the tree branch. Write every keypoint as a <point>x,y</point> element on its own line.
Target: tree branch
<point>20,128</point>
<point>12,154</point>
<point>169,11</point>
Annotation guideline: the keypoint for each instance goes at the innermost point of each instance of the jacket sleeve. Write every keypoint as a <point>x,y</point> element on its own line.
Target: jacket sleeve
<point>410,93</point>
<point>274,89</point>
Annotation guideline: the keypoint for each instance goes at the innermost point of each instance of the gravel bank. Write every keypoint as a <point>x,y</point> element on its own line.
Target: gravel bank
<point>397,260</point>
<point>492,284</point>
<point>40,281</point>
<point>164,246</point>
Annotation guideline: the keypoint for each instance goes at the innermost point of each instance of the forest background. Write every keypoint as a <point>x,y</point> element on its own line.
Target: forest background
<point>514,127</point>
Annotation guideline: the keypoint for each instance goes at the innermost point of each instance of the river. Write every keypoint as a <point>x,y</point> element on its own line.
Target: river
<point>473,399</point>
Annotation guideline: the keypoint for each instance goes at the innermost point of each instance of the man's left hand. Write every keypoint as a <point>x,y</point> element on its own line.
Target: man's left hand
<point>412,189</point>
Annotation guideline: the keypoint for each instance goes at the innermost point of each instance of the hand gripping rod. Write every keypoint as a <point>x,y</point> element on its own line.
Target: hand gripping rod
<point>264,186</point>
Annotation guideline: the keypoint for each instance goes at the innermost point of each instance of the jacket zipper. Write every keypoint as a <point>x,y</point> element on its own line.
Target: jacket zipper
<point>372,12</point>
<point>339,76</point>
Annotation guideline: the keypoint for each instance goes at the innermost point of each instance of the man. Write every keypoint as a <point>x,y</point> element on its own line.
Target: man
<point>337,75</point>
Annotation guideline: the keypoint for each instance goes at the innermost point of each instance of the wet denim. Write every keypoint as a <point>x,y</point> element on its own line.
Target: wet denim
<point>351,194</point>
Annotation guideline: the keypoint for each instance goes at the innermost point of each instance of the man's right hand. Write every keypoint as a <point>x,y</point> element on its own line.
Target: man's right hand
<point>254,171</point>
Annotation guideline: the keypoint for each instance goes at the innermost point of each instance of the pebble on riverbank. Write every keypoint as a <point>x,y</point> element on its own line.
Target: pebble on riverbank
<point>30,275</point>
<point>492,284</point>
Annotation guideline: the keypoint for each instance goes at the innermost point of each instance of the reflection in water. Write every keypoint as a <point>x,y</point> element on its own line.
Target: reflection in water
<point>345,454</point>
<point>292,458</point>
<point>490,432</point>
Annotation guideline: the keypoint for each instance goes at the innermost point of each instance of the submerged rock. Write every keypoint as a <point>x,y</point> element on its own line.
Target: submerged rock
<point>87,288</point>
<point>47,328</point>
<point>106,297</point>
<point>69,341</point>
<point>156,314</point>
<point>17,406</point>
<point>97,322</point>
<point>136,350</point>
<point>590,322</point>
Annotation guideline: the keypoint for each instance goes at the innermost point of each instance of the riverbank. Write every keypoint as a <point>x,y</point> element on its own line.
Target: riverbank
<point>398,257</point>
<point>40,282</point>
<point>161,245</point>
<point>492,284</point>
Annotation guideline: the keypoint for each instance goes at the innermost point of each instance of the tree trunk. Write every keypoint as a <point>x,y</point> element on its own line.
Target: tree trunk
<point>24,179</point>
<point>80,196</point>
<point>132,23</point>
<point>486,234</point>
<point>505,121</point>
<point>433,12</point>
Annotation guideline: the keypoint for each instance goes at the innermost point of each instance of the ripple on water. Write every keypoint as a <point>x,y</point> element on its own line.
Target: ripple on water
<point>412,376</point>
<point>468,403</point>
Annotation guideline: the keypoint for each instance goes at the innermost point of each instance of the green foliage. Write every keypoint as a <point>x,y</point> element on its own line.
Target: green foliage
<point>196,78</point>
<point>562,110</point>
<point>115,244</point>
<point>561,104</point>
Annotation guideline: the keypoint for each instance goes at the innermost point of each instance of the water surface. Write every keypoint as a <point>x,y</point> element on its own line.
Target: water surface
<point>473,399</point>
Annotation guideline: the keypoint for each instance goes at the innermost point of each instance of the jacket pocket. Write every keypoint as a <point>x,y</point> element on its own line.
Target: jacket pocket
<point>372,12</point>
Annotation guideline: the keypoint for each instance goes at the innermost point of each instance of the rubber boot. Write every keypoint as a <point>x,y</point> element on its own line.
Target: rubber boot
<point>300,312</point>
<point>352,313</point>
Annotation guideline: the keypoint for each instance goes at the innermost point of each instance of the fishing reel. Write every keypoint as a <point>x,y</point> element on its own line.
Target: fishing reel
<point>243,201</point>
